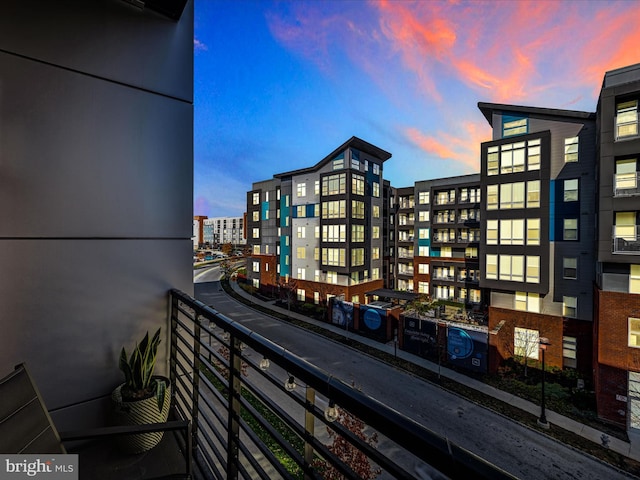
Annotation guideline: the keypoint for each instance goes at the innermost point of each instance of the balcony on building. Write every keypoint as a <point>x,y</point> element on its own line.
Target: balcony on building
<point>626,239</point>
<point>626,184</point>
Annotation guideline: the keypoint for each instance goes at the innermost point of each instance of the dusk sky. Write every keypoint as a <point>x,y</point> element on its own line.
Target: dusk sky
<point>280,85</point>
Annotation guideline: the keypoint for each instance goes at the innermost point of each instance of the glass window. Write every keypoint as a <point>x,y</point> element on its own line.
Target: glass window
<point>569,351</point>
<point>334,184</point>
<point>512,268</point>
<point>423,268</point>
<point>256,216</point>
<point>357,233</point>
<point>334,233</point>
<point>423,251</point>
<point>571,149</point>
<point>634,332</point>
<point>533,194</point>
<point>492,197</point>
<point>570,268</point>
<point>335,209</point>
<point>302,190</point>
<point>376,189</point>
<point>627,119</point>
<point>301,232</point>
<point>526,342</point>
<point>492,232</point>
<point>256,233</point>
<point>357,184</point>
<point>533,154</point>
<point>570,229</point>
<point>528,302</point>
<point>512,195</point>
<point>375,253</point>
<point>491,269</point>
<point>533,269</point>
<point>357,257</point>
<point>316,187</point>
<point>634,279</point>
<point>514,127</point>
<point>376,169</point>
<point>423,198</point>
<point>300,294</point>
<point>493,161</point>
<point>626,177</point>
<point>570,306</point>
<point>375,232</point>
<point>357,209</point>
<point>256,198</point>
<point>376,211</point>
<point>571,190</point>
<point>338,164</point>
<point>256,266</point>
<point>533,231</point>
<point>334,257</point>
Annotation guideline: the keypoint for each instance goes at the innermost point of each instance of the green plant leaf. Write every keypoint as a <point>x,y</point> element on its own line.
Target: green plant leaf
<point>161,389</point>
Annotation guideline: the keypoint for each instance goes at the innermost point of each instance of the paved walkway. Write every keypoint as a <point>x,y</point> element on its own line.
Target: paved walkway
<point>629,449</point>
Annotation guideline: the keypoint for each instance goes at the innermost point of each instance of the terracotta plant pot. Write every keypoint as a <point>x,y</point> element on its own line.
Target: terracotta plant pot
<point>140,412</point>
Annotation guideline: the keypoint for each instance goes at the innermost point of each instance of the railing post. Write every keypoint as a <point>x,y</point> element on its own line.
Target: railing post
<point>196,380</point>
<point>233,427</point>
<point>309,427</point>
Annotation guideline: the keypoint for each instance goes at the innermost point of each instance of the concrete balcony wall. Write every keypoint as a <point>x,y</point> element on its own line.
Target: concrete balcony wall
<point>96,168</point>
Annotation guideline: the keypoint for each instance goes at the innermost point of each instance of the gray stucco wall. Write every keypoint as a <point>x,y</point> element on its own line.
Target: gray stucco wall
<point>96,181</point>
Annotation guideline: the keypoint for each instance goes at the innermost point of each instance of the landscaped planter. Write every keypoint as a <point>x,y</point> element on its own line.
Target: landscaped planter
<point>140,412</point>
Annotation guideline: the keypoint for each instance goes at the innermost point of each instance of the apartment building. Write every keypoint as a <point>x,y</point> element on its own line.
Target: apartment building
<point>437,237</point>
<point>320,229</point>
<point>617,310</point>
<point>221,230</point>
<point>538,193</point>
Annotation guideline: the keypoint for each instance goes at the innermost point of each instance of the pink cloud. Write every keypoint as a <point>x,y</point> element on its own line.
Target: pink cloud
<point>463,148</point>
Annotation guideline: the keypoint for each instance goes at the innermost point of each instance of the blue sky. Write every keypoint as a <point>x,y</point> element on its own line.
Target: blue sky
<point>279,85</point>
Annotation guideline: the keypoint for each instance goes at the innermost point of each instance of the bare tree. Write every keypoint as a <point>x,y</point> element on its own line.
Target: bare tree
<point>348,453</point>
<point>288,290</point>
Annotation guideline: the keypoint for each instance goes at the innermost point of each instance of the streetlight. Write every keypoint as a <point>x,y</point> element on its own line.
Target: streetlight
<point>542,421</point>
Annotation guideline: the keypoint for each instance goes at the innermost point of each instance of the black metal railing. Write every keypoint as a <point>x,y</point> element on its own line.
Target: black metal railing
<point>230,381</point>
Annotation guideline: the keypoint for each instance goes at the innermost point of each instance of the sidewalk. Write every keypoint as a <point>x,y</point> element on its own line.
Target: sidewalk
<point>628,449</point>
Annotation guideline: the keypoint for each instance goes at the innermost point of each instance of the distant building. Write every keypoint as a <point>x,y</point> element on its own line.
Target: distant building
<point>221,230</point>
<point>198,231</point>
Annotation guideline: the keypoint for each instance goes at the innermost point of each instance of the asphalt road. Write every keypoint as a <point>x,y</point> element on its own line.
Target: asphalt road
<point>523,452</point>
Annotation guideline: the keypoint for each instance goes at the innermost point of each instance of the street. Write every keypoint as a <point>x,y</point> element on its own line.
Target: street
<point>521,451</point>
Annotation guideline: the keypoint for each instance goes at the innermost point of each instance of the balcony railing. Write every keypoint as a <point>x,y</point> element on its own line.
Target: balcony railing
<point>626,184</point>
<point>230,382</point>
<point>626,239</point>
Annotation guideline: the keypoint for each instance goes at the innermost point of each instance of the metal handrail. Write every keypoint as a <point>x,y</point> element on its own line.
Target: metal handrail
<point>212,391</point>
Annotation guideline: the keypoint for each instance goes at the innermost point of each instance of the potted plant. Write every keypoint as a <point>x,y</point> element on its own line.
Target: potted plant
<point>143,398</point>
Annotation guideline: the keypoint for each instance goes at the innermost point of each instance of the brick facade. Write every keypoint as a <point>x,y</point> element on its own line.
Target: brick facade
<point>614,355</point>
<point>502,323</point>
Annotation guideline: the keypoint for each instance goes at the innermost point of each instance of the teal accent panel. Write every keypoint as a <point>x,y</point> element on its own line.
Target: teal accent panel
<point>424,242</point>
<point>285,251</point>
<point>310,211</point>
<point>552,210</point>
<point>435,252</point>
<point>265,210</point>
